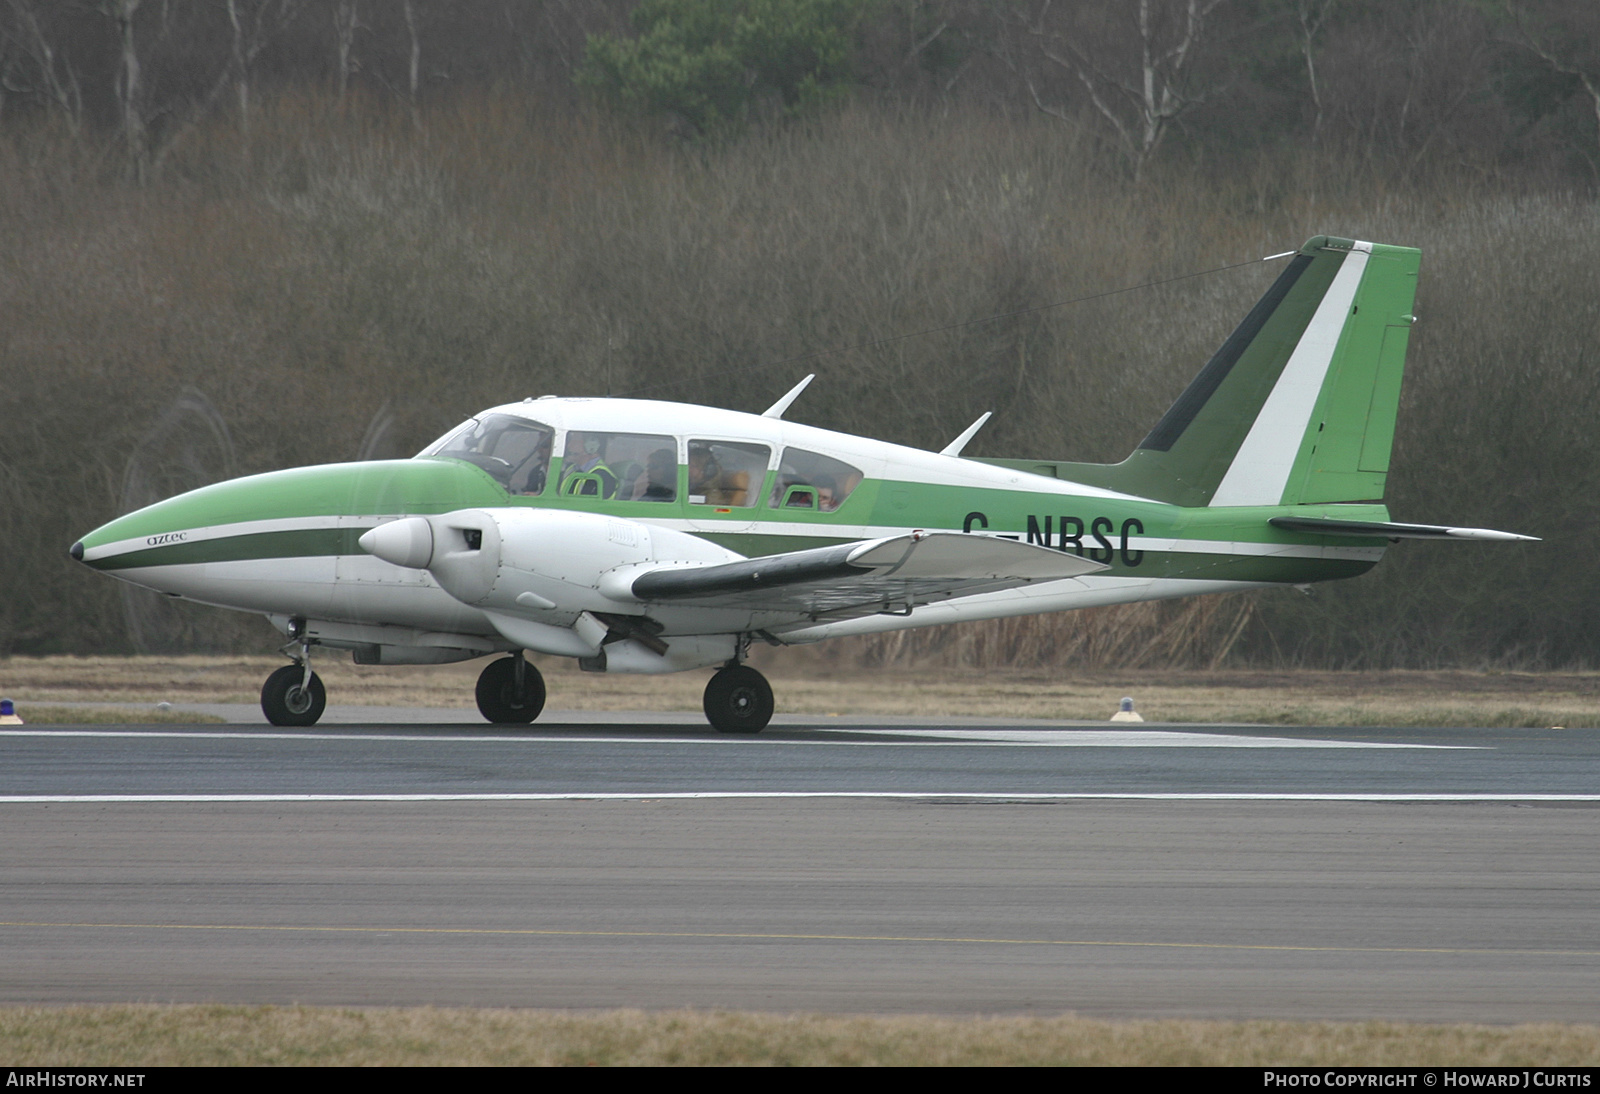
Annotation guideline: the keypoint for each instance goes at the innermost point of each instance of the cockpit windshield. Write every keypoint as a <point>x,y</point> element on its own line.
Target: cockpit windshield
<point>514,450</point>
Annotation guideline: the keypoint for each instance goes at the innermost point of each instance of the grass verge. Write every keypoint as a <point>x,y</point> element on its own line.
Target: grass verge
<point>50,715</point>
<point>136,1035</point>
<point>809,684</point>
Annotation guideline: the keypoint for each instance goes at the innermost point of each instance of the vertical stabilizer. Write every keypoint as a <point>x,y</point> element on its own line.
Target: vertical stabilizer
<point>1298,405</point>
<point>1324,432</point>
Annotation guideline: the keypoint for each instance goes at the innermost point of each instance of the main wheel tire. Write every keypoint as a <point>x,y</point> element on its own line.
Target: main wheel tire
<point>498,698</point>
<point>738,700</point>
<point>286,702</point>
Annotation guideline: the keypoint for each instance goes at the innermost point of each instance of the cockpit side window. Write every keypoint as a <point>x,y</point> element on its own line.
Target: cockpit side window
<point>513,450</point>
<point>619,466</point>
<point>810,480</point>
<point>728,474</point>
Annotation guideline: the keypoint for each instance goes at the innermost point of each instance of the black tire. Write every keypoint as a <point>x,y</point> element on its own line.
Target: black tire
<point>286,703</point>
<point>498,700</point>
<point>738,700</point>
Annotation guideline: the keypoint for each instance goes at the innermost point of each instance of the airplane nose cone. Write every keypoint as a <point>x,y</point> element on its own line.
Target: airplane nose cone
<point>407,542</point>
<point>76,551</point>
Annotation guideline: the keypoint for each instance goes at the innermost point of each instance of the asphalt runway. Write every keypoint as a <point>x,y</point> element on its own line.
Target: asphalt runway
<point>874,866</point>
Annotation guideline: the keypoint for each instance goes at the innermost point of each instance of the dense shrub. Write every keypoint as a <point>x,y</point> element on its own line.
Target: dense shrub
<point>347,283</point>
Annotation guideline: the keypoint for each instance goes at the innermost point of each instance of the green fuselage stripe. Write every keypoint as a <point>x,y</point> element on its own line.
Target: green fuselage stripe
<point>294,543</point>
<point>319,542</point>
<point>1109,530</point>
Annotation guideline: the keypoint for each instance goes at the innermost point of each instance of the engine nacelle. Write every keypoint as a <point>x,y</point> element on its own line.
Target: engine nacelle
<point>545,566</point>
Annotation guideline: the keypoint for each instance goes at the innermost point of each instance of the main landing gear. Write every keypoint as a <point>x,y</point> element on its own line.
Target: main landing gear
<point>294,695</point>
<point>738,700</point>
<point>510,691</point>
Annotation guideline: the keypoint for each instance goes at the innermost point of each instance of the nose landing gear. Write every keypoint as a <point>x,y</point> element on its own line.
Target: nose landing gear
<point>294,695</point>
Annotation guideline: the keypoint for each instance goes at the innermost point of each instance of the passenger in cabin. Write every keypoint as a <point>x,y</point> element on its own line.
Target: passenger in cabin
<point>726,474</point>
<point>827,490</point>
<point>705,474</point>
<point>660,479</point>
<point>810,480</point>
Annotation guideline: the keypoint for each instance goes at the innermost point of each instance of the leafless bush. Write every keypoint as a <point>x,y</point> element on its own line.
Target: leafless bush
<point>1199,633</point>
<point>358,265</point>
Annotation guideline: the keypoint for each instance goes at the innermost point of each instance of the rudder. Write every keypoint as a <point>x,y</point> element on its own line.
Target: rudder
<point>1324,433</point>
<point>1298,405</point>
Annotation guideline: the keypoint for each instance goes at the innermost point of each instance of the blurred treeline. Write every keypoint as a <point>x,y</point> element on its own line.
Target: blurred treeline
<point>237,235</point>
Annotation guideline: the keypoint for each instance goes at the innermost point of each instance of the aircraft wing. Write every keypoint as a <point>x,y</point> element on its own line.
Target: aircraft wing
<point>894,574</point>
<point>1329,527</point>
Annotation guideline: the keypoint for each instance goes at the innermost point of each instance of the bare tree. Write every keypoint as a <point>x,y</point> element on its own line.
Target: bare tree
<point>1408,81</point>
<point>345,21</point>
<point>253,24</point>
<point>127,87</point>
<point>1310,17</point>
<point>1565,36</point>
<point>415,60</point>
<point>53,76</point>
<point>1135,62</point>
<point>191,66</point>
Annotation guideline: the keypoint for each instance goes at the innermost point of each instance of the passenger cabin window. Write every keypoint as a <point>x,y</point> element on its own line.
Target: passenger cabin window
<point>514,450</point>
<point>728,474</point>
<point>620,466</point>
<point>810,480</point>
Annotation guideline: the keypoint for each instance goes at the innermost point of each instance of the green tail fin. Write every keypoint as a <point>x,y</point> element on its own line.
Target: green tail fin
<point>1298,406</point>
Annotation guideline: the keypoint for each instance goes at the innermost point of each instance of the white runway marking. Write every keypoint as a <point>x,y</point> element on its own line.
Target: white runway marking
<point>1140,738</point>
<point>722,795</point>
<point>901,738</point>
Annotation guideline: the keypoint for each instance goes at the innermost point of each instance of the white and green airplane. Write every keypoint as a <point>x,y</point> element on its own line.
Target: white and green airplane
<point>652,537</point>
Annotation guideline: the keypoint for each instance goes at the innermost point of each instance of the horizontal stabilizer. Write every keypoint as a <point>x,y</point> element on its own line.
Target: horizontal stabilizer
<point>1388,530</point>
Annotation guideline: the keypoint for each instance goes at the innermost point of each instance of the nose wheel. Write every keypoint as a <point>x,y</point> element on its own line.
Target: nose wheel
<point>293,696</point>
<point>738,700</point>
<point>510,691</point>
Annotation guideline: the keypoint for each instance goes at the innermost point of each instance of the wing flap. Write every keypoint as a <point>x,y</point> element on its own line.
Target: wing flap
<point>897,573</point>
<point>959,555</point>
